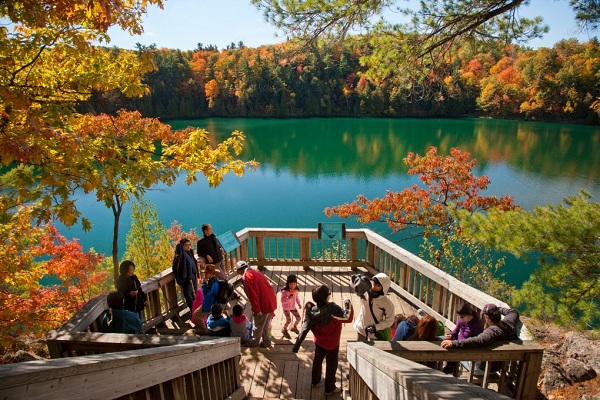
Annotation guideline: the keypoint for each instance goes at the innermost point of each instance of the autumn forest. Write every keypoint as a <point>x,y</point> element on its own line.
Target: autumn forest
<point>555,84</point>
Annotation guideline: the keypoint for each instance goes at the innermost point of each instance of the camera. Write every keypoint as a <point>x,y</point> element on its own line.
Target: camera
<point>347,304</point>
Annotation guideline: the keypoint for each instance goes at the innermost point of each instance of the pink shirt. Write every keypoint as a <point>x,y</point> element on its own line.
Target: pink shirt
<point>289,299</point>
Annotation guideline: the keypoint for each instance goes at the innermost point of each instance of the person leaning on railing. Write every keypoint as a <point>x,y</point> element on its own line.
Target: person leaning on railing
<point>498,328</point>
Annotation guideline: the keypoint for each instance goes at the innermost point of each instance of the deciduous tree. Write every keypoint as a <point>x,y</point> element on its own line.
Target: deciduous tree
<point>428,211</point>
<point>147,241</point>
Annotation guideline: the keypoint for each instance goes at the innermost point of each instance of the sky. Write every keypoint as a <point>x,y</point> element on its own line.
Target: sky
<point>182,24</point>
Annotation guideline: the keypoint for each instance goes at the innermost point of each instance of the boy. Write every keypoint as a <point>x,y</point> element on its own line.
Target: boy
<point>240,326</point>
<point>325,321</point>
<point>218,321</point>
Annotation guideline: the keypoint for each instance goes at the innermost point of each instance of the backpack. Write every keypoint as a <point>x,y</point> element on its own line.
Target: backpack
<point>177,260</point>
<point>361,284</point>
<point>225,292</point>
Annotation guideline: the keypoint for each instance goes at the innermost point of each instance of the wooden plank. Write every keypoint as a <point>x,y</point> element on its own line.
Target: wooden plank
<point>290,379</point>
<point>274,380</point>
<point>53,379</point>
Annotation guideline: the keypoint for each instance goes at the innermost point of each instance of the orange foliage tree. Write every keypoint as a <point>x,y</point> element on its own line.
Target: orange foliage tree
<point>30,254</point>
<point>429,211</point>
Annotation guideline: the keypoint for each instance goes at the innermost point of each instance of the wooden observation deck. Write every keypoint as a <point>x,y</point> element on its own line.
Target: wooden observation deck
<point>168,363</point>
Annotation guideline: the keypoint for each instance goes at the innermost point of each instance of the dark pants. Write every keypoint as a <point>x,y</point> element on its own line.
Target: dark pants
<point>331,357</point>
<point>188,293</point>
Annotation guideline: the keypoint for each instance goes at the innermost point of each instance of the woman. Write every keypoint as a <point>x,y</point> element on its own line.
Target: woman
<point>131,288</point>
<point>186,270</point>
<point>426,329</point>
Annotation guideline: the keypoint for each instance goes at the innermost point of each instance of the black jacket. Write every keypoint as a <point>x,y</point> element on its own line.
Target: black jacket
<point>127,284</point>
<point>320,316</point>
<point>210,245</point>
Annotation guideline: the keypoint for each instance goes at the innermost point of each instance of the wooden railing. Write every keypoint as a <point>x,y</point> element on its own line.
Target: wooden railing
<point>517,362</point>
<point>376,374</point>
<point>163,304</point>
<point>203,370</point>
<point>418,282</point>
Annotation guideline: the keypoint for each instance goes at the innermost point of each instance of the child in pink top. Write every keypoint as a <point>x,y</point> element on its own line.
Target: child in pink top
<point>289,300</point>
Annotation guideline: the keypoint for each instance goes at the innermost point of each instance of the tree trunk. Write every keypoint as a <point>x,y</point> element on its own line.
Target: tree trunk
<point>117,207</point>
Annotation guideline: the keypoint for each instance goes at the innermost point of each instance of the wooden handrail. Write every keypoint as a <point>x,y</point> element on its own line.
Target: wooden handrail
<point>207,369</point>
<point>377,374</point>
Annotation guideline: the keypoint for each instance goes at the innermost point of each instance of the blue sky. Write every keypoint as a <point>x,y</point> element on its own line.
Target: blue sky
<point>185,23</point>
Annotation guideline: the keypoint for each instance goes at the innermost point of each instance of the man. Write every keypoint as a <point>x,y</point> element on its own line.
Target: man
<point>210,248</point>
<point>263,300</point>
<point>498,328</point>
<point>376,311</point>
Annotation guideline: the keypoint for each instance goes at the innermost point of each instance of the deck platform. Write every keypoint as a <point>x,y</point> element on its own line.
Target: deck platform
<point>278,373</point>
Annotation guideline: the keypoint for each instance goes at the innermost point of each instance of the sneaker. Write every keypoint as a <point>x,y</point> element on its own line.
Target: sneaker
<point>334,391</point>
<point>318,383</point>
<point>295,329</point>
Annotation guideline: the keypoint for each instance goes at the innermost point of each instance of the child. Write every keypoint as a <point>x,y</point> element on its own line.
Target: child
<point>325,321</point>
<point>197,304</point>
<point>210,289</point>
<point>289,299</point>
<point>467,325</point>
<point>218,321</point>
<point>240,326</point>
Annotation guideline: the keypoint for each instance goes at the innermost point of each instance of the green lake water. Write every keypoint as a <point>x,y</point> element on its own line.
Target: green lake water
<point>309,164</point>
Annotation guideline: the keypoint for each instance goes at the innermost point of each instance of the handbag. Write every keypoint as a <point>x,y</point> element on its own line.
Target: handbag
<point>382,334</point>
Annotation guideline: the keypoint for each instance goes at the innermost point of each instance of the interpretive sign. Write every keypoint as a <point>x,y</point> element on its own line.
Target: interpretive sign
<point>229,241</point>
<point>332,231</point>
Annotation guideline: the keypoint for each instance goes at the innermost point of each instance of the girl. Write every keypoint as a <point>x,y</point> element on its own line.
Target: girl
<point>289,299</point>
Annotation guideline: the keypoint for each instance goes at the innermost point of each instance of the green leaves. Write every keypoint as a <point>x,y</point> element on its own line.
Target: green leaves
<point>566,240</point>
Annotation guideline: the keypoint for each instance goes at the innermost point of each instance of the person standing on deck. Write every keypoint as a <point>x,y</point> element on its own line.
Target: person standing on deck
<point>210,248</point>
<point>376,314</point>
<point>325,320</point>
<point>263,300</point>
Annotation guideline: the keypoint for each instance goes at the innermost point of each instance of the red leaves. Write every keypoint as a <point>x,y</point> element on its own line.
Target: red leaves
<point>449,185</point>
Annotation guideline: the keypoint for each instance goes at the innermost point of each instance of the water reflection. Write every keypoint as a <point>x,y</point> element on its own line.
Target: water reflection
<point>365,147</point>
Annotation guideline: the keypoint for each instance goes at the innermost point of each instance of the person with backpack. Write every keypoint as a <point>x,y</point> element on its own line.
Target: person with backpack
<point>376,314</point>
<point>186,270</point>
<point>210,290</point>
<point>325,320</point>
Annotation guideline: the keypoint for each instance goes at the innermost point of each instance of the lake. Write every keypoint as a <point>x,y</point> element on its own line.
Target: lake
<point>310,164</point>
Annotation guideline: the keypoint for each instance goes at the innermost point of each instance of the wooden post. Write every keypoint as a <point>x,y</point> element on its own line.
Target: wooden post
<point>260,251</point>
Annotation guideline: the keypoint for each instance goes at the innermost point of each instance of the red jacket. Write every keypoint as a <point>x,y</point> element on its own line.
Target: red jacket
<point>259,291</point>
<point>328,336</point>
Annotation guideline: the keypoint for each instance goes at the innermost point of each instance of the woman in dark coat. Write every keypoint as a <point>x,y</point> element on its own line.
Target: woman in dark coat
<point>129,284</point>
<point>186,270</point>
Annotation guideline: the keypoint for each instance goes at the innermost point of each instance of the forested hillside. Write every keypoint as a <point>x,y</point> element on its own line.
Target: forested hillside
<point>559,83</point>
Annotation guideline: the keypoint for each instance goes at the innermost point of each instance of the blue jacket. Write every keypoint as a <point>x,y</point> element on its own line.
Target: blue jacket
<point>121,321</point>
<point>404,330</point>
<point>210,289</point>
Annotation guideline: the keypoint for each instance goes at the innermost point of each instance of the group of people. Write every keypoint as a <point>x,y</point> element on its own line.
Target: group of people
<point>376,319</point>
<point>212,318</point>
